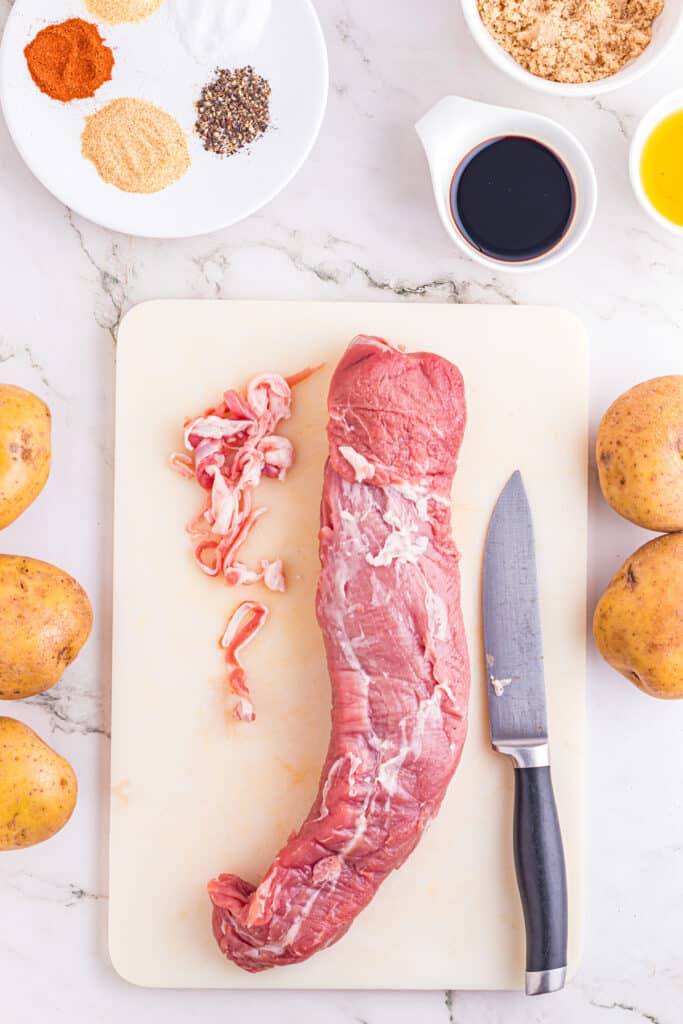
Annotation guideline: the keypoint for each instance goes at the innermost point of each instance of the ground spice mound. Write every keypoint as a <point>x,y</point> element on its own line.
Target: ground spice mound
<point>135,146</point>
<point>69,61</point>
<point>117,11</point>
<point>571,41</point>
<point>233,110</point>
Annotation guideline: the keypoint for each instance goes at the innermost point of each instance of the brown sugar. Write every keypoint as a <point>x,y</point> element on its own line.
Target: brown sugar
<point>571,41</point>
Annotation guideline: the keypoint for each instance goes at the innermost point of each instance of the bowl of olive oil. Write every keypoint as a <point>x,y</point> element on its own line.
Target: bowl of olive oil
<point>656,162</point>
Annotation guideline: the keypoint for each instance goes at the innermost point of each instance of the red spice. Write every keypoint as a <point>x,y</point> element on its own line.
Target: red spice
<point>69,61</point>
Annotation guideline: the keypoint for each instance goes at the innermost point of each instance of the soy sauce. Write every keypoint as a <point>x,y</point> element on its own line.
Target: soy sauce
<point>513,198</point>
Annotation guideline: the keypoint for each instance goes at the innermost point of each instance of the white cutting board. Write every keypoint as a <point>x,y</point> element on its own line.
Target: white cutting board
<point>195,792</point>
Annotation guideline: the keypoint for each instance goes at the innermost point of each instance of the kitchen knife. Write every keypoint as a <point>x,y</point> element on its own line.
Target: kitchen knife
<point>519,728</point>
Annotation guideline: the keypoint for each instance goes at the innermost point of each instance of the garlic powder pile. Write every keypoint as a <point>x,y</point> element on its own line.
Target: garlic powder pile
<point>571,41</point>
<point>115,12</point>
<point>135,146</point>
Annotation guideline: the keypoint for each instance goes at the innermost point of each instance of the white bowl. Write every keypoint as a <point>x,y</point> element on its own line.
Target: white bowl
<point>456,125</point>
<point>664,33</point>
<point>667,105</point>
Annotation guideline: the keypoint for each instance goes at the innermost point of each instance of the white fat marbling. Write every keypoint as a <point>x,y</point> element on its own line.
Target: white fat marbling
<point>357,223</point>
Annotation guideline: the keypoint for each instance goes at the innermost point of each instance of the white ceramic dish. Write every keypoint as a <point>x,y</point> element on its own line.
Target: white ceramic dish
<point>667,105</point>
<point>666,29</point>
<point>456,125</point>
<point>152,63</point>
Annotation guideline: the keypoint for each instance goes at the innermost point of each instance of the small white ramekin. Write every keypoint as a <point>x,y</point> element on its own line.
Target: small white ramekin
<point>456,126</point>
<point>664,33</point>
<point>667,105</point>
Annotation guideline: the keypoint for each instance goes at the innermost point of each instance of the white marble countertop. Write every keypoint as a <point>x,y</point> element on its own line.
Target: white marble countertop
<point>357,223</point>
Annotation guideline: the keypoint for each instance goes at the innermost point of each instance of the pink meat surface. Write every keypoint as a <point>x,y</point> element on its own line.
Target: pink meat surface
<point>389,609</point>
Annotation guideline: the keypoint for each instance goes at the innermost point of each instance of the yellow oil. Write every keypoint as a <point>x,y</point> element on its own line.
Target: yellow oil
<point>661,167</point>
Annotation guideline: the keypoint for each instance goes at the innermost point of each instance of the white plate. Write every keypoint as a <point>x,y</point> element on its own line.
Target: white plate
<point>152,63</point>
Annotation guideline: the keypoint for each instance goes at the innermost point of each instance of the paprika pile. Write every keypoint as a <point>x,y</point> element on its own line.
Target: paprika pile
<point>69,61</point>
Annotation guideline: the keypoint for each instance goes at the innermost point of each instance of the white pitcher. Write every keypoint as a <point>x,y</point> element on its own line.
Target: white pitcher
<point>456,126</point>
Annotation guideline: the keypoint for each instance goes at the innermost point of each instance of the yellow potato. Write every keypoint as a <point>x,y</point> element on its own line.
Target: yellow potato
<point>38,788</point>
<point>640,454</point>
<point>638,623</point>
<point>45,618</point>
<point>24,450</point>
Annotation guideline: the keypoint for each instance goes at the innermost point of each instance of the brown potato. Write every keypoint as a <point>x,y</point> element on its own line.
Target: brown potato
<point>640,454</point>
<point>45,618</point>
<point>638,623</point>
<point>24,450</point>
<point>38,788</point>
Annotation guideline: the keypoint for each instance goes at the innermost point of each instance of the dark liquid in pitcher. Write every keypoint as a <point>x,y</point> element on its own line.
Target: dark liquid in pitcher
<point>513,198</point>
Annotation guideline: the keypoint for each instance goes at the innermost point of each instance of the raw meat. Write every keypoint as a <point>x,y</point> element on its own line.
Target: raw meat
<point>228,450</point>
<point>389,608</point>
<point>245,623</point>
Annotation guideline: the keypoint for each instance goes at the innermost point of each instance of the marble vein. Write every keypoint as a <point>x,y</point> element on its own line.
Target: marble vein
<point>25,355</point>
<point>619,119</point>
<point>212,269</point>
<point>624,304</point>
<point>657,240</point>
<point>73,711</point>
<point>35,364</point>
<point>441,287</point>
<point>47,890</point>
<point>627,1008</point>
<point>346,34</point>
<point>214,265</point>
<point>112,284</point>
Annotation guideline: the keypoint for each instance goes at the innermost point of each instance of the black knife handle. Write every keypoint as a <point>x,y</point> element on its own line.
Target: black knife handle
<point>542,879</point>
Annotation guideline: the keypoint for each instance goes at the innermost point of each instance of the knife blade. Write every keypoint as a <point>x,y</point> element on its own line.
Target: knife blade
<point>512,624</point>
<point>518,719</point>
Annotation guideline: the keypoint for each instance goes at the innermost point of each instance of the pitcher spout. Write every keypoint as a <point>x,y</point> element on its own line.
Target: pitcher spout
<point>440,127</point>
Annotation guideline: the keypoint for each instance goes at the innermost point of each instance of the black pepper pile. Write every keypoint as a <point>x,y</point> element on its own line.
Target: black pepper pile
<point>233,110</point>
